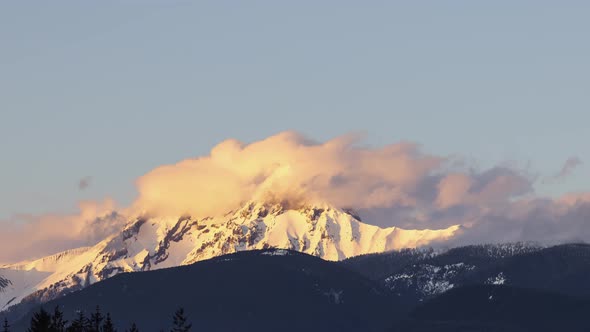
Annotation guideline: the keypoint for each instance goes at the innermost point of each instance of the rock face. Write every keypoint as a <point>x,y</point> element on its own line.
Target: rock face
<point>4,283</point>
<point>153,243</point>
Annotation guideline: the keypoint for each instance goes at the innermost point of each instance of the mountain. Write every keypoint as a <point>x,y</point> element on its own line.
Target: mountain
<point>507,287</point>
<point>23,278</point>
<point>563,269</point>
<point>419,275</point>
<point>498,308</point>
<point>262,290</point>
<point>149,243</point>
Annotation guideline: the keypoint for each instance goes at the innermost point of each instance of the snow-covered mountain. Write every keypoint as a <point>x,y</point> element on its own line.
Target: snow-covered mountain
<point>148,243</point>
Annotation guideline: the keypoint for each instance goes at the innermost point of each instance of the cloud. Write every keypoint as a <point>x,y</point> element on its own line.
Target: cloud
<point>28,236</point>
<point>396,184</point>
<point>539,220</point>
<point>289,166</point>
<point>569,166</point>
<point>566,170</point>
<point>84,182</point>
<point>453,190</point>
<point>393,185</point>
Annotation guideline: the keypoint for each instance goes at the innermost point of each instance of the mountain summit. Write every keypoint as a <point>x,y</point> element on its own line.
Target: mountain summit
<point>148,243</point>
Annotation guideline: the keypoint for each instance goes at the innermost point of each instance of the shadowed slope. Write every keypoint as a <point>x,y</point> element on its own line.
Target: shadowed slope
<point>248,291</point>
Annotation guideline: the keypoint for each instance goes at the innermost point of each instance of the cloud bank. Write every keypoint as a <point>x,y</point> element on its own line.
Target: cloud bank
<point>392,185</point>
<point>288,166</point>
<point>26,236</point>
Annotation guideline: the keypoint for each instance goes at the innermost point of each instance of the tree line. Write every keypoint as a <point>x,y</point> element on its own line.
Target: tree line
<point>43,321</point>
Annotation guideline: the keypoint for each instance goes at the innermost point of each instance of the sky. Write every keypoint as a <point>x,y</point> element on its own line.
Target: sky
<point>94,95</point>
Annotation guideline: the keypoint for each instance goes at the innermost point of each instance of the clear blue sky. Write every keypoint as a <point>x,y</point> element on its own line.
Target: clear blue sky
<point>112,89</point>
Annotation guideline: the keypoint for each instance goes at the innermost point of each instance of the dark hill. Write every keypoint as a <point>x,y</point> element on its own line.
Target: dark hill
<point>499,308</point>
<point>563,269</point>
<point>248,291</point>
<point>419,275</point>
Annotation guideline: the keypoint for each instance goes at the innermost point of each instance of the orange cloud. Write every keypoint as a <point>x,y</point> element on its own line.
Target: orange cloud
<point>289,166</point>
<point>26,236</point>
<point>453,190</point>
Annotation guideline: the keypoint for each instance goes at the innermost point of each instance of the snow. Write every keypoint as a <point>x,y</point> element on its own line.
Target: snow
<point>433,287</point>
<point>406,277</point>
<point>289,225</point>
<point>500,279</point>
<point>21,282</point>
<point>278,252</point>
<point>47,264</point>
<point>429,279</point>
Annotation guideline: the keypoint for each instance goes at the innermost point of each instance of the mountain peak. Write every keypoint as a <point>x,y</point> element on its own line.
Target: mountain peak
<point>274,207</point>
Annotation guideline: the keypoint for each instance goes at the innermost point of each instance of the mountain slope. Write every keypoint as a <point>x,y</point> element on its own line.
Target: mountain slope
<point>277,289</point>
<point>419,275</point>
<point>266,290</point>
<point>155,243</point>
<point>499,308</point>
<point>563,269</point>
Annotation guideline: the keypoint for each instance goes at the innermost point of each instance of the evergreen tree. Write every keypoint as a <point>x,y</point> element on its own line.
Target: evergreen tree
<point>5,326</point>
<point>80,324</point>
<point>179,323</point>
<point>58,324</point>
<point>133,328</point>
<point>108,324</point>
<point>40,321</point>
<point>96,320</point>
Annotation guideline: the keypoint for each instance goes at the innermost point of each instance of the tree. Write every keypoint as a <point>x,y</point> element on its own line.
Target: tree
<point>58,324</point>
<point>108,324</point>
<point>133,328</point>
<point>96,320</point>
<point>180,323</point>
<point>80,324</point>
<point>5,326</point>
<point>40,321</point>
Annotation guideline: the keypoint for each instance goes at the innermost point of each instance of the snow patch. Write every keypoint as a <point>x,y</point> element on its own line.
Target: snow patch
<point>429,280</point>
<point>335,295</point>
<point>278,252</point>
<point>500,279</point>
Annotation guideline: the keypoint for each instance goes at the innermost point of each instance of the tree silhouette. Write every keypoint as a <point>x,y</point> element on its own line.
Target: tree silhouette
<point>80,324</point>
<point>58,324</point>
<point>180,323</point>
<point>108,324</point>
<point>133,328</point>
<point>40,321</point>
<point>96,320</point>
<point>5,326</point>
